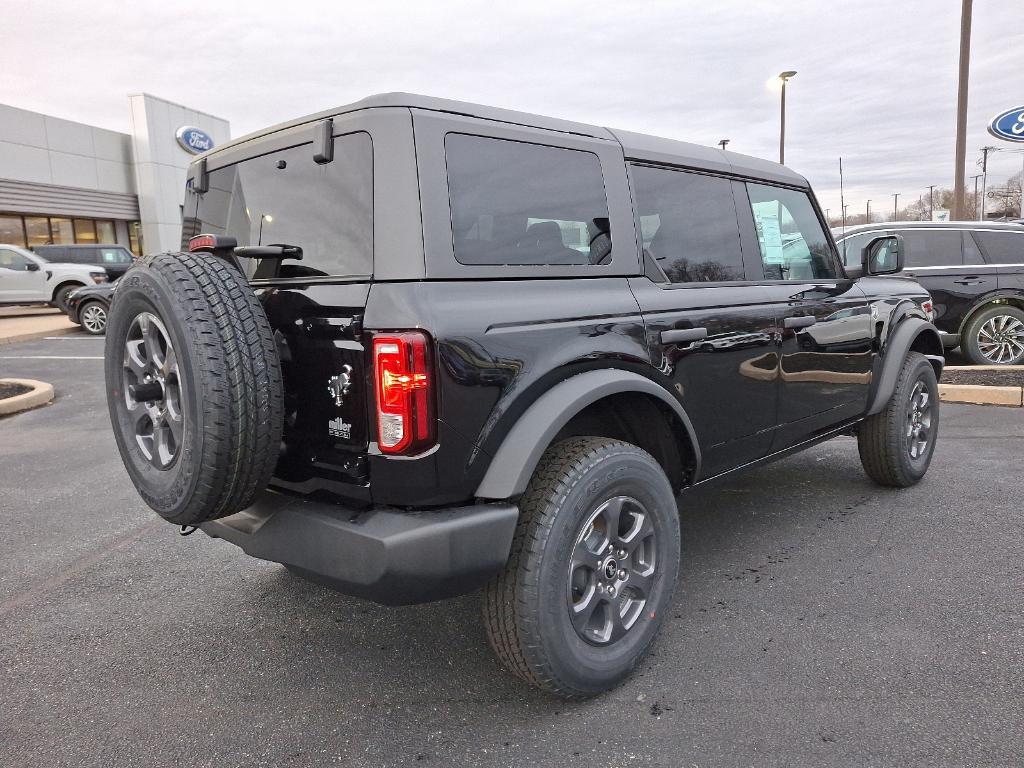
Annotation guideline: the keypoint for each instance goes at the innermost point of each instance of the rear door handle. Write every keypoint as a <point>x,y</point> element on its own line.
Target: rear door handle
<point>970,280</point>
<point>801,321</point>
<point>681,335</point>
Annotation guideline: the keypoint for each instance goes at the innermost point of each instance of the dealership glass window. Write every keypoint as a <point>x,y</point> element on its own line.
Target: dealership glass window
<point>105,232</point>
<point>85,231</point>
<point>38,230</point>
<point>11,230</point>
<point>792,239</point>
<point>514,203</point>
<point>135,237</point>
<point>688,224</point>
<point>286,197</point>
<point>62,231</point>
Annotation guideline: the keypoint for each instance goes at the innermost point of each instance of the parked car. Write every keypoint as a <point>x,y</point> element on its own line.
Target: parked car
<point>89,306</point>
<point>115,259</point>
<point>25,278</point>
<point>384,361</point>
<point>975,274</point>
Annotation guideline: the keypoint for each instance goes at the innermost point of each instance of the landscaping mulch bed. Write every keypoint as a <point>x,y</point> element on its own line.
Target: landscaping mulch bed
<point>10,390</point>
<point>1011,376</point>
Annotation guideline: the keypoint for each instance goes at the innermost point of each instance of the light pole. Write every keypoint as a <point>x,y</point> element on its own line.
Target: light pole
<point>961,111</point>
<point>723,143</point>
<point>845,206</point>
<point>984,178</point>
<point>263,217</point>
<point>895,206</point>
<point>931,204</point>
<point>867,214</point>
<point>784,77</point>
<point>977,205</point>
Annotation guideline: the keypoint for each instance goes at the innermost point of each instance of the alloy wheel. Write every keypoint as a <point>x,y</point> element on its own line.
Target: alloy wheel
<point>94,318</point>
<point>612,570</point>
<point>1001,339</point>
<point>919,420</point>
<point>152,390</point>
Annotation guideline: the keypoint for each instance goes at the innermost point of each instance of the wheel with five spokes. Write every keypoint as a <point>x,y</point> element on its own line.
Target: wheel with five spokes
<point>592,569</point>
<point>896,444</point>
<point>193,386</point>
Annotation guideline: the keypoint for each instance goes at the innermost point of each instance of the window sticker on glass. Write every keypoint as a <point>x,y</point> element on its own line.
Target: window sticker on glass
<point>766,217</point>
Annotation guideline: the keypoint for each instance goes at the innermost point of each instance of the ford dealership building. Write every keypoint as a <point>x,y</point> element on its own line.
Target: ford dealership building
<point>67,182</point>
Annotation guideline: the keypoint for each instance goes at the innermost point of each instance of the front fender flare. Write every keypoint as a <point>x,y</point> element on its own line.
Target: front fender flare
<point>520,452</point>
<point>895,352</point>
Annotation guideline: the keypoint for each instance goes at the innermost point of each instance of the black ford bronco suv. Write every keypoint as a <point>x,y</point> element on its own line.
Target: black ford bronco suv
<point>414,347</point>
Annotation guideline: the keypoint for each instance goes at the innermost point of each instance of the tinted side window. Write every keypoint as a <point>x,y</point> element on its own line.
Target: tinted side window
<point>287,198</point>
<point>933,248</point>
<point>1002,247</point>
<point>12,260</point>
<point>52,254</point>
<point>114,256</point>
<point>688,223</point>
<point>852,246</point>
<point>515,203</point>
<point>793,243</point>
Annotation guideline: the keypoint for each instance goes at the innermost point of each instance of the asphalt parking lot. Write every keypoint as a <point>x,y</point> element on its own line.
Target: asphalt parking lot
<point>818,620</point>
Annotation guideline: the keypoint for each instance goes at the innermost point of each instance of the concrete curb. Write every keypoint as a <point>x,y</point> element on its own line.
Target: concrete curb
<point>36,335</point>
<point>41,394</point>
<point>978,394</point>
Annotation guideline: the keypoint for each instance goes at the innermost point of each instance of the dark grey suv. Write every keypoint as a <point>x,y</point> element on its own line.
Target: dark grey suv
<point>975,274</point>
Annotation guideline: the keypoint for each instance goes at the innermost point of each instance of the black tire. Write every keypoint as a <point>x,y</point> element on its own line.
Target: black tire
<point>92,316</point>
<point>60,298</point>
<point>1007,323</point>
<point>526,608</point>
<point>224,387</point>
<point>887,440</point>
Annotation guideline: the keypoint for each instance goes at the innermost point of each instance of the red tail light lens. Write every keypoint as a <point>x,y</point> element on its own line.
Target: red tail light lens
<point>404,383</point>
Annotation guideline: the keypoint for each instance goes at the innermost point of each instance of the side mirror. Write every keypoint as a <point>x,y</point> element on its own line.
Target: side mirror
<point>31,267</point>
<point>884,255</point>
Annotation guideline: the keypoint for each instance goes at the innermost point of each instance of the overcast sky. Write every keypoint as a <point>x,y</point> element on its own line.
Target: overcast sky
<point>876,81</point>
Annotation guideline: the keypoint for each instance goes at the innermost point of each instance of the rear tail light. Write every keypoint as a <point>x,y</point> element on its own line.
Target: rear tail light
<point>404,387</point>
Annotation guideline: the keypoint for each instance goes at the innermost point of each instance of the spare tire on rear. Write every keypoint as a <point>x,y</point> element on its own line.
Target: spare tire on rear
<point>193,386</point>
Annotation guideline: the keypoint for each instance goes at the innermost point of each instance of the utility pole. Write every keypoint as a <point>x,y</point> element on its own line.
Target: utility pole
<point>867,214</point>
<point>977,203</point>
<point>931,203</point>
<point>895,206</point>
<point>723,142</point>
<point>784,77</point>
<point>961,111</point>
<point>984,178</point>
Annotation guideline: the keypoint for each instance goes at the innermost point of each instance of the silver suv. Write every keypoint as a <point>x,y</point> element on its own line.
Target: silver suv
<point>27,279</point>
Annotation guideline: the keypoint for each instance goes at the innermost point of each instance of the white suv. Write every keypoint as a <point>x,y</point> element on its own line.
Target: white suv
<point>27,279</point>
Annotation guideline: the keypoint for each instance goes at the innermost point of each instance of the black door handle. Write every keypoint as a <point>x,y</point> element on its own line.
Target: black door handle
<point>970,281</point>
<point>800,321</point>
<point>681,335</point>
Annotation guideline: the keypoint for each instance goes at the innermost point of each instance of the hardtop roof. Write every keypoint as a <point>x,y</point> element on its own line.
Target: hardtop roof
<point>636,146</point>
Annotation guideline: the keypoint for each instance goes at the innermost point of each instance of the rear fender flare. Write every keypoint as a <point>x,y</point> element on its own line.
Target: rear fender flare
<point>895,352</point>
<point>520,452</point>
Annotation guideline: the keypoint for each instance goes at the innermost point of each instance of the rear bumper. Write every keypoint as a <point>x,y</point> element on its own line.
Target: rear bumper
<point>385,555</point>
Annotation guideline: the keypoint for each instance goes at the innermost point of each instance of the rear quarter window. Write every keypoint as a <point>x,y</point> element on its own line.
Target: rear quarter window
<point>1001,247</point>
<point>514,203</point>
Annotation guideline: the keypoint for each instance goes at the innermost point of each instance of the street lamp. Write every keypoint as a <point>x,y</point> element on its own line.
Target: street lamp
<point>895,206</point>
<point>784,77</point>
<point>867,214</point>
<point>264,217</point>
<point>723,142</point>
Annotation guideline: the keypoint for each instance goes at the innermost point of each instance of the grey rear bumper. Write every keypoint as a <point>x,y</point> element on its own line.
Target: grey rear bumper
<point>386,555</point>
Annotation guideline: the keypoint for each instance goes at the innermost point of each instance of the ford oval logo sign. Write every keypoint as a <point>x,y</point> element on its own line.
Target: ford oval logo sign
<point>1008,125</point>
<point>194,140</point>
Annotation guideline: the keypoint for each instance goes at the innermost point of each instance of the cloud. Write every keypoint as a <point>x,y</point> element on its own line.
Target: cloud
<point>876,81</point>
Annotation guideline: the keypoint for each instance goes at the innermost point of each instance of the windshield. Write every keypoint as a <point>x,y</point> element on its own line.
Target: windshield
<point>286,198</point>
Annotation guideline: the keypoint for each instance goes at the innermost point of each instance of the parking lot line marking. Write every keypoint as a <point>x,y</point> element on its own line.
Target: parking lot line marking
<point>72,338</point>
<point>48,357</point>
